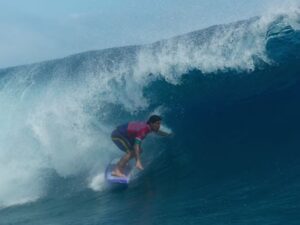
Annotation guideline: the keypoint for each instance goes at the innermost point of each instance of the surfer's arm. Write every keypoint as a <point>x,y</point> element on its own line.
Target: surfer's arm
<point>163,133</point>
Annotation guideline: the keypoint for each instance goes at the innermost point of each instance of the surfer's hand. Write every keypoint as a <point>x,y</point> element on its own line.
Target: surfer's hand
<point>139,165</point>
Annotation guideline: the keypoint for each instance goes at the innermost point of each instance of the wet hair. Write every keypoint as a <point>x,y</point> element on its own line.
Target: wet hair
<point>153,119</point>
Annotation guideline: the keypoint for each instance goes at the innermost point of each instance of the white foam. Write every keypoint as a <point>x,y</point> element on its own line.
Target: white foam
<point>50,132</point>
<point>97,182</point>
<point>232,47</point>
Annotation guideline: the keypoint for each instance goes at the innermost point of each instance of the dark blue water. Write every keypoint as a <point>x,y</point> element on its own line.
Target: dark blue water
<point>233,104</point>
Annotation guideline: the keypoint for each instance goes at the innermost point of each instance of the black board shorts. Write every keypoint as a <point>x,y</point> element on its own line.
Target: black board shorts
<point>121,142</point>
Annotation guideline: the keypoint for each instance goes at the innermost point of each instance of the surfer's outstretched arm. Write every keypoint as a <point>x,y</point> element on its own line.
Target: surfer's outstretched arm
<point>163,133</point>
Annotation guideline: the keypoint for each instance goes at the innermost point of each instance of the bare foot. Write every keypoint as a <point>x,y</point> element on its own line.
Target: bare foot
<point>117,173</point>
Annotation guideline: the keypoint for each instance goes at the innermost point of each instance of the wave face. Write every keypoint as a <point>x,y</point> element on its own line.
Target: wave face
<point>230,93</point>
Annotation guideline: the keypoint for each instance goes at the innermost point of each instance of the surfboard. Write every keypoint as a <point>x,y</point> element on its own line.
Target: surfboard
<point>114,180</point>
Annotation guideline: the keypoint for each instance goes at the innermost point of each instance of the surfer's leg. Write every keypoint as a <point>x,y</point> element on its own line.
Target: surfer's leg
<point>123,163</point>
<point>118,171</point>
<point>125,146</point>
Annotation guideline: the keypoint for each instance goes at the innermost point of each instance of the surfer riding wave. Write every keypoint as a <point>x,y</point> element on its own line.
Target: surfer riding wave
<point>128,137</point>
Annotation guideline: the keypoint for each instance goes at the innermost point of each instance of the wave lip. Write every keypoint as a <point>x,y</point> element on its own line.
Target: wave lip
<point>283,40</point>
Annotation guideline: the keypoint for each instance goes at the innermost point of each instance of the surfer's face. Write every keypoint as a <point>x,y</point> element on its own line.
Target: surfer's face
<point>155,126</point>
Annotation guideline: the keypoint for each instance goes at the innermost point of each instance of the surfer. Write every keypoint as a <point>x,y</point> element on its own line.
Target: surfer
<point>128,137</point>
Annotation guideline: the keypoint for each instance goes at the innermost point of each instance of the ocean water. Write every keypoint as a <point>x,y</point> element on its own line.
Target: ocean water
<point>231,95</point>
